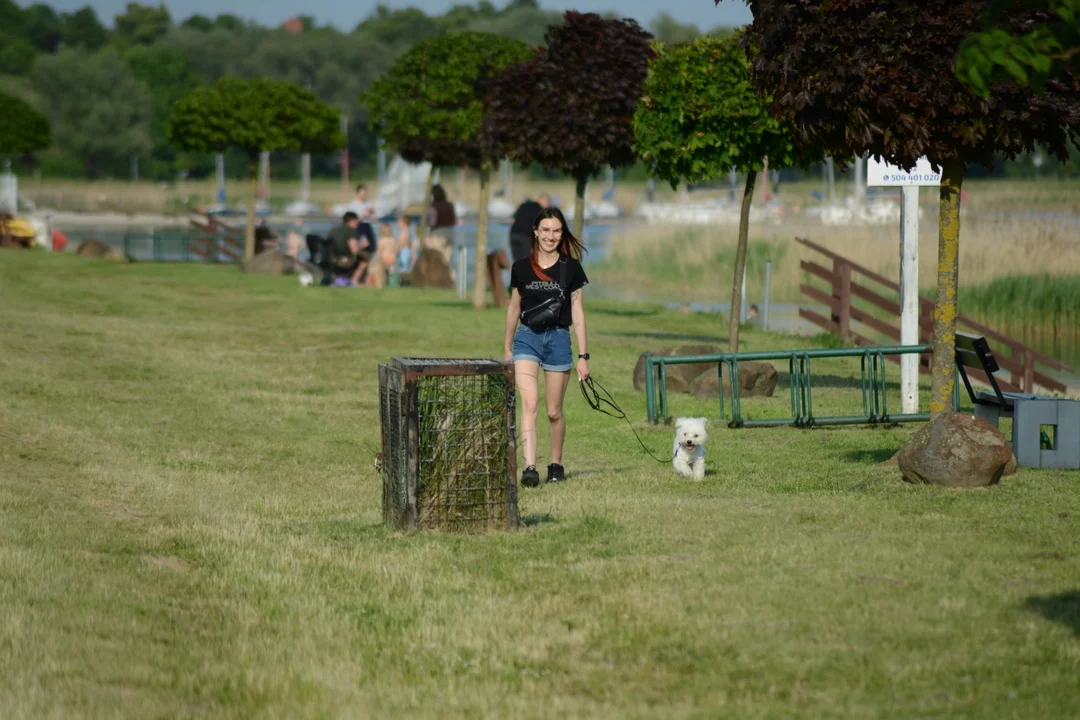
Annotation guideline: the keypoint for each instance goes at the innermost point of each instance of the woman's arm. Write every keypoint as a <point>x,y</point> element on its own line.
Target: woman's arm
<point>513,310</point>
<point>577,315</point>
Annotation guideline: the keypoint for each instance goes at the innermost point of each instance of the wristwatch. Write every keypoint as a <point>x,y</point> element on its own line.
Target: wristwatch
<point>584,356</point>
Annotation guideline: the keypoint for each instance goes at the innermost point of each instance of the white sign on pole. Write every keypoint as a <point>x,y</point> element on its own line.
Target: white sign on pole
<point>882,174</point>
<point>9,193</point>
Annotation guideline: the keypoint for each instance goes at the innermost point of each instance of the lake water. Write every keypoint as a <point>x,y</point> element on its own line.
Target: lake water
<point>172,244</point>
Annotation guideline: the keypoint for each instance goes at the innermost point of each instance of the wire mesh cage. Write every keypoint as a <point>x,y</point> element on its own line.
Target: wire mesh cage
<point>448,440</point>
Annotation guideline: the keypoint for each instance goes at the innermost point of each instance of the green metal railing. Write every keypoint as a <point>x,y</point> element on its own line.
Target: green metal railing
<point>872,384</point>
<point>171,245</point>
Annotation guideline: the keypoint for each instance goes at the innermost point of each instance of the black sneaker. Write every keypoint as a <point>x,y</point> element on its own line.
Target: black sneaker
<point>556,473</point>
<point>530,478</point>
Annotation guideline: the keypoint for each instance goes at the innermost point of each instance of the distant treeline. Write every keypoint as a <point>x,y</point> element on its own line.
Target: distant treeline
<point>107,90</point>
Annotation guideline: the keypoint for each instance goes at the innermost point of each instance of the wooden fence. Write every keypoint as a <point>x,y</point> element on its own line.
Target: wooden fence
<point>215,239</point>
<point>849,282</point>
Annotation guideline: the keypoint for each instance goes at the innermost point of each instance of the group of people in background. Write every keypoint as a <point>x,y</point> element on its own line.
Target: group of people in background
<point>357,254</point>
<point>362,256</point>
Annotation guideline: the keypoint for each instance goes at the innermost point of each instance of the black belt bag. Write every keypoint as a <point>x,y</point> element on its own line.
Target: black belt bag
<point>545,315</point>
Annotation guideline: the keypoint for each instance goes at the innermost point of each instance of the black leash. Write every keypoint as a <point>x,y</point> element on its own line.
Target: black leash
<point>596,401</point>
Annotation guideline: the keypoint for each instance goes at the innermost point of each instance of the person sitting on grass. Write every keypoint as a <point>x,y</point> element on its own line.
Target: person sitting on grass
<point>408,245</point>
<point>350,252</point>
<point>382,264</point>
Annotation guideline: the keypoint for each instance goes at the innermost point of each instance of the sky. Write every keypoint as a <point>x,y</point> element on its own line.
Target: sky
<point>346,15</point>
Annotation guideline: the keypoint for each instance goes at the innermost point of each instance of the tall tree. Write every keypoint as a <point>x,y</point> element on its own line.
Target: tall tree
<point>878,78</point>
<point>571,106</point>
<point>42,27</point>
<point>399,28</point>
<point>17,54</point>
<point>1024,52</point>
<point>699,117</point>
<point>22,128</point>
<point>165,72</point>
<point>668,30</point>
<point>95,105</point>
<point>143,24</point>
<point>430,105</point>
<point>198,22</point>
<point>253,116</point>
<point>83,29</point>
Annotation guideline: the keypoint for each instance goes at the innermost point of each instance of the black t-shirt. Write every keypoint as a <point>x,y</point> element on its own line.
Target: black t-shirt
<point>534,291</point>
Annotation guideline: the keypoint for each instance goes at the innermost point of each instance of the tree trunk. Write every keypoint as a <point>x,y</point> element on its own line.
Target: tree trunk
<point>579,209</point>
<point>479,298</point>
<point>422,226</point>
<point>249,231</point>
<point>943,377</point>
<point>740,263</point>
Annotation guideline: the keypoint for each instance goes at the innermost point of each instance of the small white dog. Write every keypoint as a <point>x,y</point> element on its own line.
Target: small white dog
<point>689,449</point>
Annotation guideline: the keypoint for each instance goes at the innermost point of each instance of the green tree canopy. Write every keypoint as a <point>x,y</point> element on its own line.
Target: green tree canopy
<point>668,30</point>
<point>83,29</point>
<point>42,27</point>
<point>165,72</point>
<point>570,107</point>
<point>430,105</point>
<point>254,116</point>
<point>1022,51</point>
<point>143,24</point>
<point>17,54</point>
<point>95,104</point>
<point>700,116</point>
<point>879,78</point>
<point>22,128</point>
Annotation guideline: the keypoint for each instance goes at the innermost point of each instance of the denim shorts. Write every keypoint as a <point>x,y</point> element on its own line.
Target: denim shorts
<point>550,348</point>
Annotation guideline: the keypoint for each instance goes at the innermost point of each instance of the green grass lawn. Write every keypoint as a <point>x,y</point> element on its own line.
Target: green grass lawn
<point>190,525</point>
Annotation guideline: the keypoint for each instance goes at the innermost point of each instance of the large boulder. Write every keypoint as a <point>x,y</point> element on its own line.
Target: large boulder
<point>98,250</point>
<point>956,450</point>
<point>755,378</point>
<point>270,262</point>
<point>430,271</point>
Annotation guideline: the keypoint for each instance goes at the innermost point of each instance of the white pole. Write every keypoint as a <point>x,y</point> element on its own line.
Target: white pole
<point>765,308</point>
<point>305,176</point>
<point>742,297</point>
<point>860,185</point>
<point>909,297</point>
<point>221,178</point>
<point>831,180</point>
<point>380,160</point>
<point>264,174</point>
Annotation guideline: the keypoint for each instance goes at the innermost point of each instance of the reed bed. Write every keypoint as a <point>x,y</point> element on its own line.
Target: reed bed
<point>695,264</point>
<point>1039,308</point>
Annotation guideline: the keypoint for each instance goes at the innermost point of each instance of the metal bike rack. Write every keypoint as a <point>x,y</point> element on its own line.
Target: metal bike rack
<point>872,384</point>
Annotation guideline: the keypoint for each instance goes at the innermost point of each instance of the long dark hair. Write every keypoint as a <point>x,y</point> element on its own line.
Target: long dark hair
<point>569,246</point>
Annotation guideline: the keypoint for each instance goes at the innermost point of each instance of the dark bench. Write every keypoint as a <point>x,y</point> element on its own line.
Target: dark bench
<point>1029,412</point>
<point>972,351</point>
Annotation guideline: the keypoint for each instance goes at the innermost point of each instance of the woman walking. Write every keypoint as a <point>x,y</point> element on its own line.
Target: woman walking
<point>545,302</point>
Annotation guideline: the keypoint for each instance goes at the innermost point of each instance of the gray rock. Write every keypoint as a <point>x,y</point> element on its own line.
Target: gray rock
<point>270,262</point>
<point>956,450</point>
<point>755,378</point>
<point>430,271</point>
<point>99,251</point>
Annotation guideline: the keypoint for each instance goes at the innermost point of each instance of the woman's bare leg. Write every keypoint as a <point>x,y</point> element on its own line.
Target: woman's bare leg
<point>554,391</point>
<point>527,378</point>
